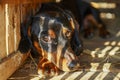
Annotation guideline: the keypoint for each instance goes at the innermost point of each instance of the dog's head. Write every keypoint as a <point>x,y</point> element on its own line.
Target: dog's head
<point>56,37</point>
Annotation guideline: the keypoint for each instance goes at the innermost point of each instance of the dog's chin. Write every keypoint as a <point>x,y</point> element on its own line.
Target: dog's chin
<point>64,67</point>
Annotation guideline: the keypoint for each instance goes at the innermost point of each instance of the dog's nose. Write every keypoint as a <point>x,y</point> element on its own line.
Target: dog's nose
<point>73,65</point>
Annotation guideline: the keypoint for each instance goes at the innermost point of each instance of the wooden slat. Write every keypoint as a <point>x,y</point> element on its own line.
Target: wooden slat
<point>14,28</point>
<point>26,1</point>
<point>11,16</point>
<point>8,67</point>
<point>11,28</point>
<point>2,32</point>
<point>114,1</point>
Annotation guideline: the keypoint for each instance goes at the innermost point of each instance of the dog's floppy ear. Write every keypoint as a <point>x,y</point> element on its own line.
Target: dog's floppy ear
<point>76,42</point>
<point>25,43</point>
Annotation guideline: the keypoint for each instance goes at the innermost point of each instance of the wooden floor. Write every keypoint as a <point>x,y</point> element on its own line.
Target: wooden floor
<point>100,60</point>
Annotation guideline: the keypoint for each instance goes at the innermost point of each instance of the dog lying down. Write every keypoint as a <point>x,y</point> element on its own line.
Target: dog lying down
<point>54,34</point>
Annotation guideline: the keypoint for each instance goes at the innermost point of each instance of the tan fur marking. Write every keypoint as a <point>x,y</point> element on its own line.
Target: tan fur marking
<point>36,45</point>
<point>67,33</point>
<point>52,33</point>
<point>29,28</point>
<point>72,24</point>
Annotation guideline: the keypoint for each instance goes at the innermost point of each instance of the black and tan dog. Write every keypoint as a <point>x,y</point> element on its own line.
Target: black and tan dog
<point>54,33</point>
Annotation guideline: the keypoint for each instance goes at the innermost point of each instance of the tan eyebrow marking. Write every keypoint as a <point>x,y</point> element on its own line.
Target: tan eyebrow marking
<point>72,23</point>
<point>67,32</point>
<point>51,33</point>
<point>64,30</point>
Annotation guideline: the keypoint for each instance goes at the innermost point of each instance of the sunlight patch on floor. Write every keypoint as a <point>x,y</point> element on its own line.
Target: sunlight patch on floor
<point>103,5</point>
<point>74,75</point>
<point>59,77</point>
<point>117,77</point>
<point>87,76</point>
<point>107,43</point>
<point>94,66</point>
<point>106,67</point>
<point>118,34</point>
<point>104,51</point>
<point>107,15</point>
<point>101,76</point>
<point>114,50</point>
<point>113,43</point>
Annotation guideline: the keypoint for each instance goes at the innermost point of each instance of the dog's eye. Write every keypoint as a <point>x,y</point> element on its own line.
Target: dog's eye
<point>46,39</point>
<point>68,34</point>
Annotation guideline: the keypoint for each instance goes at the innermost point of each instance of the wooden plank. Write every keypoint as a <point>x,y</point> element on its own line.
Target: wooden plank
<point>14,28</point>
<point>11,28</point>
<point>26,1</point>
<point>2,32</point>
<point>10,64</point>
<point>9,41</point>
<point>10,37</point>
<point>113,1</point>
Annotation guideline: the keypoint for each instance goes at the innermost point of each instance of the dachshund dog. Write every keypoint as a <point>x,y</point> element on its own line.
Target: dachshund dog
<point>87,16</point>
<point>54,33</point>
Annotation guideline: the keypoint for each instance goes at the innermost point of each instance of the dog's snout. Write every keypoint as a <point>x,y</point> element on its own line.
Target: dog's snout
<point>73,65</point>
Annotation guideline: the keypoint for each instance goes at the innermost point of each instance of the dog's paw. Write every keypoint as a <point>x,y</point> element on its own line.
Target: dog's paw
<point>47,68</point>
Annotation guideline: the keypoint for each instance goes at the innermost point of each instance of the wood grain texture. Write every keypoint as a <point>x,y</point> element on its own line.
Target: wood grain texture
<point>25,1</point>
<point>8,67</point>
